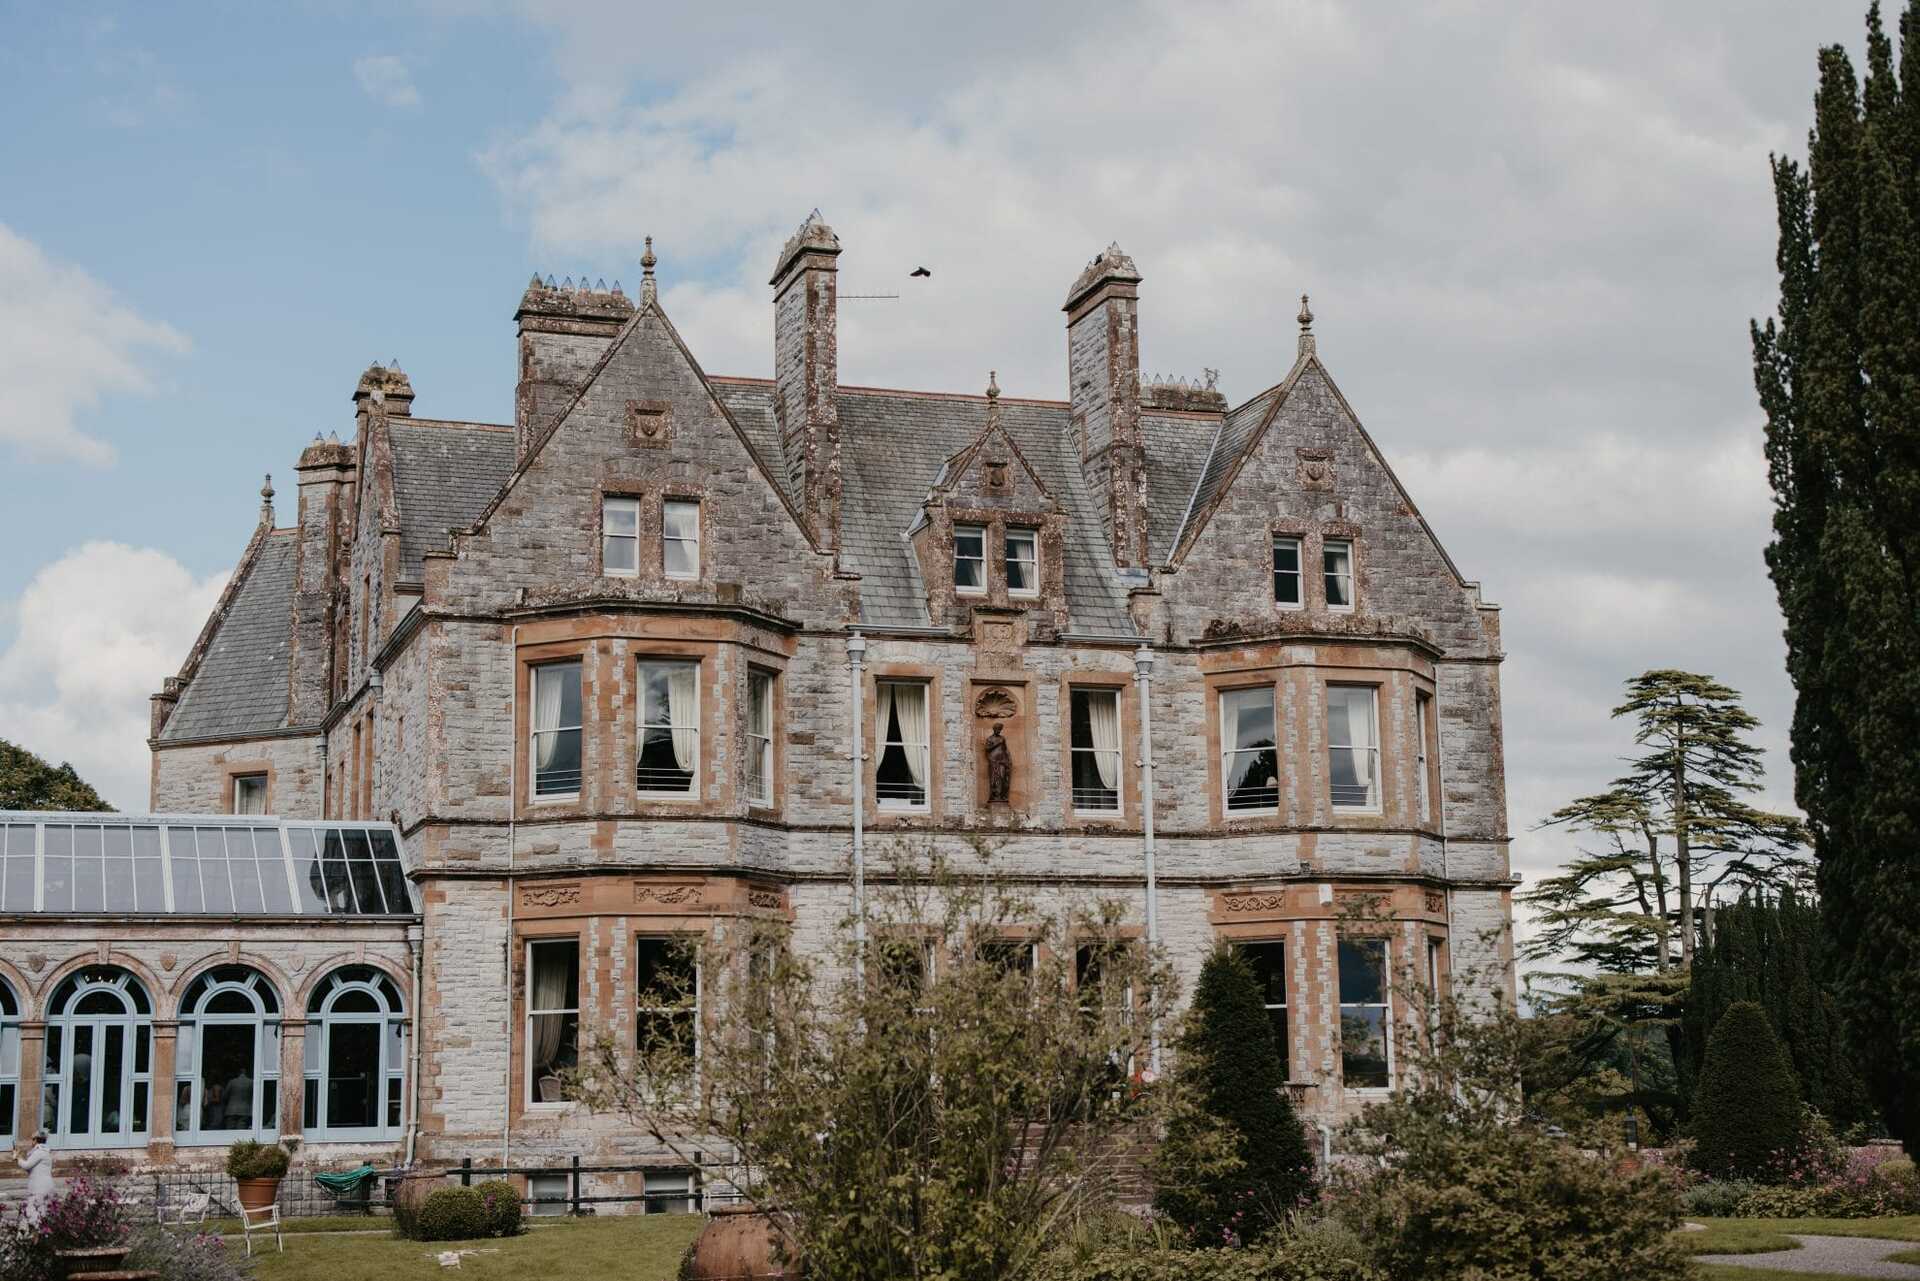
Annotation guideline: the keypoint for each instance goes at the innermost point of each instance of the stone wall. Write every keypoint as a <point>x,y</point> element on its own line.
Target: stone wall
<point>196,778</point>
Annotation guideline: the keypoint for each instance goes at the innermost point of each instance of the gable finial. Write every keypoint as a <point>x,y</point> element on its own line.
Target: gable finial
<point>266,499</point>
<point>647,262</point>
<point>1307,345</point>
<point>993,385</point>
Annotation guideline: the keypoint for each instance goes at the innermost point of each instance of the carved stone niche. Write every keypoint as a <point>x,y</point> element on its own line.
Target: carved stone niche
<point>1004,705</point>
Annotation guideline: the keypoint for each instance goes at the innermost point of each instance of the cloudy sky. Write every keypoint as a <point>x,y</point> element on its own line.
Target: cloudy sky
<point>1533,233</point>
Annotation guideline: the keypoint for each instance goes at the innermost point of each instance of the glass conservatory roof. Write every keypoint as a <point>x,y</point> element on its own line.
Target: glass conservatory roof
<point>62,864</point>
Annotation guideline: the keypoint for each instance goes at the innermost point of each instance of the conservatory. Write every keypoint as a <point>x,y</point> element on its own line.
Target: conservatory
<point>171,982</point>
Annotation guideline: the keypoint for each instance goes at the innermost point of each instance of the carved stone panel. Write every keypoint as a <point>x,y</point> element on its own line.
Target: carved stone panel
<point>1316,469</point>
<point>650,423</point>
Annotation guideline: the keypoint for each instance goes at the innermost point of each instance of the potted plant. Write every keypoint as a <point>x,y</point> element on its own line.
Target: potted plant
<point>256,1169</point>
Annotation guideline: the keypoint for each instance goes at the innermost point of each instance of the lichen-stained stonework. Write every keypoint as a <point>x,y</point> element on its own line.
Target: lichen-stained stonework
<point>380,658</point>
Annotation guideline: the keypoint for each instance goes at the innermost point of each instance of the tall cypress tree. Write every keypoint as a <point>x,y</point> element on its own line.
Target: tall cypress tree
<point>1838,375</point>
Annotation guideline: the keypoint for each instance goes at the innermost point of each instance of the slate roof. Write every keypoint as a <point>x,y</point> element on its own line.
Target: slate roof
<point>242,684</point>
<point>1177,451</point>
<point>444,474</point>
<point>892,446</point>
<point>1235,438</point>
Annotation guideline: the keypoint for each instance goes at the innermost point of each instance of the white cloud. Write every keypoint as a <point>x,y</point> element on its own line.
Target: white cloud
<point>94,633</point>
<point>66,343</point>
<point>1533,236</point>
<point>386,80</point>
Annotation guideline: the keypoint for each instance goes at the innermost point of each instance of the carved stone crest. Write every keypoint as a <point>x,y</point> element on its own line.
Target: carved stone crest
<point>672,895</point>
<point>1316,468</point>
<point>997,477</point>
<point>168,960</point>
<point>650,422</point>
<point>1436,902</point>
<point>36,962</point>
<point>995,704</point>
<point>549,895</point>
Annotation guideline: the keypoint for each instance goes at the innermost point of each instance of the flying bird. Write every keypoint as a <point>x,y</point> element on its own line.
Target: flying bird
<point>920,271</point>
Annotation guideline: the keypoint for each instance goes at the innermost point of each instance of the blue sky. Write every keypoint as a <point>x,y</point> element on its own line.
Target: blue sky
<point>1533,235</point>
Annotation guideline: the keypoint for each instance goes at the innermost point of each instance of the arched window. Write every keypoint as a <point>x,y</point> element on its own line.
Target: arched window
<point>9,1062</point>
<point>355,1056</point>
<point>227,1060</point>
<point>99,1060</point>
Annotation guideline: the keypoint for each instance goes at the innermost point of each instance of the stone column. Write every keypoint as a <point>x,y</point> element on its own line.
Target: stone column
<point>293,1076</point>
<point>33,1053</point>
<point>160,1118</point>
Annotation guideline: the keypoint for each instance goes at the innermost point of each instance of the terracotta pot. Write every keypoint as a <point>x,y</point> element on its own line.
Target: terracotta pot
<point>736,1245</point>
<point>257,1194</point>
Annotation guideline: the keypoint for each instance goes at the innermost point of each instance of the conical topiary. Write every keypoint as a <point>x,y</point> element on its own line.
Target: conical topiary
<point>1746,1112</point>
<point>1227,1054</point>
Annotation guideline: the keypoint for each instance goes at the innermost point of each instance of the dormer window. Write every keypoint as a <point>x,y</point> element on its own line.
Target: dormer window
<point>1023,562</point>
<point>969,559</point>
<point>1336,563</point>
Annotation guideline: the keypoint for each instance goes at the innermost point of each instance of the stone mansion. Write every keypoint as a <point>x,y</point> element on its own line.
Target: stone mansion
<point>508,707</point>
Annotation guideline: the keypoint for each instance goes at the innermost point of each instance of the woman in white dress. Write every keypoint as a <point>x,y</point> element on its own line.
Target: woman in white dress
<point>38,1163</point>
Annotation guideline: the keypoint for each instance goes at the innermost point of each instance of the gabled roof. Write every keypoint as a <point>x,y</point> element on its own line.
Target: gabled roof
<point>892,446</point>
<point>241,685</point>
<point>443,475</point>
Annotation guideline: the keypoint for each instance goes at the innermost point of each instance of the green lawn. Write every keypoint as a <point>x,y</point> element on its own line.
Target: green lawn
<point>631,1247</point>
<point>1759,1236</point>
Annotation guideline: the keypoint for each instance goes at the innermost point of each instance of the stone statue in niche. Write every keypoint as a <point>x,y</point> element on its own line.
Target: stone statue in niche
<point>999,767</point>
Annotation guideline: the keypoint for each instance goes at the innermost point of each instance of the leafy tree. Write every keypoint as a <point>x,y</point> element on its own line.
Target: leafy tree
<point>1228,1057</point>
<point>1748,1110</point>
<point>1666,835</point>
<point>1770,952</point>
<point>29,783</point>
<point>1838,375</point>
<point>933,1103</point>
<point>1467,1183</point>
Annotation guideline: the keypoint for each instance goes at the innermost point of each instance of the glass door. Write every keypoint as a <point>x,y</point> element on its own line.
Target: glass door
<point>104,1106</point>
<point>355,1074</point>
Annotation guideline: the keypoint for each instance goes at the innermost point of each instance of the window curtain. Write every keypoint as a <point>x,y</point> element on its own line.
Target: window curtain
<point>1360,726</point>
<point>682,694</point>
<point>910,705</point>
<point>1103,716</point>
<point>549,993</point>
<point>546,714</point>
<point>1238,763</point>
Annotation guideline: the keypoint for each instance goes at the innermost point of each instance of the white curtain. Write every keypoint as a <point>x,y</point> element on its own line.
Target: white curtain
<point>1103,716</point>
<point>1360,735</point>
<point>546,712</point>
<point>910,705</point>
<point>683,712</point>
<point>683,538</point>
<point>549,993</point>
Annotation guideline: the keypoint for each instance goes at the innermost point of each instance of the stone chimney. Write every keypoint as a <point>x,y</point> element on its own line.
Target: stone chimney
<point>327,472</point>
<point>806,371</point>
<point>564,330</point>
<point>1103,381</point>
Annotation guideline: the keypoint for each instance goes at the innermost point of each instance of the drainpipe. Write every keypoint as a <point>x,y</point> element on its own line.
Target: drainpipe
<point>506,948</point>
<point>416,936</point>
<point>1143,677</point>
<point>856,649</point>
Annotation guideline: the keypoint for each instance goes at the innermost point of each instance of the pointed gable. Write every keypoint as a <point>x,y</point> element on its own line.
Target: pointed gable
<point>991,472</point>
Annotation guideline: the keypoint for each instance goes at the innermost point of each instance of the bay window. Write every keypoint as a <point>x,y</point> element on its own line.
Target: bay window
<point>900,778</point>
<point>1353,747</point>
<point>1423,718</point>
<point>669,728</point>
<point>1268,961</point>
<point>555,742</point>
<point>553,1017</point>
<point>1249,759</point>
<point>667,1007</point>
<point>760,737</point>
<point>1094,716</point>
<point>1366,1035</point>
<point>1286,573</point>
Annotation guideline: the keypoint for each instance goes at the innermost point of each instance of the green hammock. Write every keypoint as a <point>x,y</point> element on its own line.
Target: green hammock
<point>346,1183</point>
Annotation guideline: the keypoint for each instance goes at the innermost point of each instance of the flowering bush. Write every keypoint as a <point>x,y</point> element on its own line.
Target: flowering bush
<point>1826,1180</point>
<point>183,1256</point>
<point>86,1214</point>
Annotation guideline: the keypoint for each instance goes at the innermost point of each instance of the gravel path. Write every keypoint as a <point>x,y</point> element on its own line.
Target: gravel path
<point>1846,1256</point>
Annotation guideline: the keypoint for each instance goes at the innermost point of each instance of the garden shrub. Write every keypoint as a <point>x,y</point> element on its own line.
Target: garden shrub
<point>453,1214</point>
<point>1746,1112</point>
<point>1227,1054</point>
<point>1783,1201</point>
<point>503,1207</point>
<point>1717,1198</point>
<point>183,1256</point>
